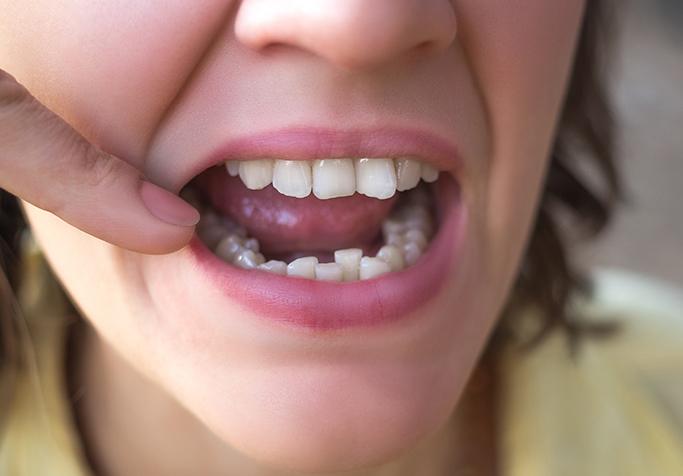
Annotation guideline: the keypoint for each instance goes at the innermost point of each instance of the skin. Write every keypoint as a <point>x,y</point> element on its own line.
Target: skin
<point>193,385</point>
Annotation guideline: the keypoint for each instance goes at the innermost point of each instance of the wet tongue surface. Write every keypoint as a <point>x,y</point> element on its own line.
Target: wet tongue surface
<point>285,225</point>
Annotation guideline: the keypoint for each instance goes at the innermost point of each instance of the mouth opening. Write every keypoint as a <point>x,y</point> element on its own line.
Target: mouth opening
<point>328,220</point>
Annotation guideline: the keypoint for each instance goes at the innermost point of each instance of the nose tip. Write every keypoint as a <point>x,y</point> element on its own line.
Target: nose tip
<point>349,33</point>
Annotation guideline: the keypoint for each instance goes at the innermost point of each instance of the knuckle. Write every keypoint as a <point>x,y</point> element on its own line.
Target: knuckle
<point>14,101</point>
<point>101,170</point>
<point>12,94</point>
<point>84,171</point>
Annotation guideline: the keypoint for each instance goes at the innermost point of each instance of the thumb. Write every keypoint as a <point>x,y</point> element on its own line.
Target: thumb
<point>45,162</point>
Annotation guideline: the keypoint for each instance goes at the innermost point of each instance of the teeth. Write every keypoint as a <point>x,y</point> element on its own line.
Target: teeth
<point>411,253</point>
<point>293,178</point>
<point>303,267</point>
<point>256,174</point>
<point>372,267</point>
<point>408,173</point>
<point>417,237</point>
<point>252,244</point>
<point>392,256</point>
<point>429,173</point>
<point>274,267</point>
<point>349,260</point>
<point>393,225</point>
<point>376,177</point>
<point>229,247</point>
<point>247,259</point>
<point>233,167</point>
<point>395,239</point>
<point>333,178</point>
<point>406,234</point>
<point>329,272</point>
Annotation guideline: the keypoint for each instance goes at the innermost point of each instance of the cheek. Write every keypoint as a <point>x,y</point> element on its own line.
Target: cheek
<point>521,54</point>
<point>111,69</point>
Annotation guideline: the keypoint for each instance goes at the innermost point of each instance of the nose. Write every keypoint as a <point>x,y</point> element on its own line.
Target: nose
<point>349,33</point>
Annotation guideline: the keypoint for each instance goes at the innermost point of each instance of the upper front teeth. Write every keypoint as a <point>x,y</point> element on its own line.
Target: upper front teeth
<point>292,178</point>
<point>332,178</point>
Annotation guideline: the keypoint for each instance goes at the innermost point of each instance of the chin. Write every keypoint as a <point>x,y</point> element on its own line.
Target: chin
<point>316,407</point>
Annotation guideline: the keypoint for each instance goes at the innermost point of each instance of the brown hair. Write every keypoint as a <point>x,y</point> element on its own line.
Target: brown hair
<point>572,207</point>
<point>585,140</point>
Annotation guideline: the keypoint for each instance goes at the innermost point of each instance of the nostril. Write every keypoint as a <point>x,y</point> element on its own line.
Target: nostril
<point>351,34</point>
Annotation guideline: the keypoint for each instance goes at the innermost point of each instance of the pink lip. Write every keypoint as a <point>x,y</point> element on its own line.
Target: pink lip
<point>323,306</point>
<point>307,143</point>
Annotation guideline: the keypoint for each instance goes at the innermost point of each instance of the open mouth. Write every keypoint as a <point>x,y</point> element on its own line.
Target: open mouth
<point>323,230</point>
<point>324,219</point>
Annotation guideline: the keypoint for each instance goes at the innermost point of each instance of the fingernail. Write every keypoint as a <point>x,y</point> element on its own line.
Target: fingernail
<point>168,207</point>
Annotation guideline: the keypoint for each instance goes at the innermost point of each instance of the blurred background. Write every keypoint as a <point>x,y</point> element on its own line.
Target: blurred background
<point>647,236</point>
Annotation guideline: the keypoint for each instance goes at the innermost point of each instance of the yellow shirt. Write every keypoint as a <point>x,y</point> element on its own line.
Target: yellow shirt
<point>616,411</point>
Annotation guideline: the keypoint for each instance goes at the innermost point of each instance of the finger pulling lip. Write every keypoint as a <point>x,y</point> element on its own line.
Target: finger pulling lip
<point>324,306</point>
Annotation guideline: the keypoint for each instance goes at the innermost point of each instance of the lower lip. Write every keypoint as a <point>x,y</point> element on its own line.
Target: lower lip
<point>326,306</point>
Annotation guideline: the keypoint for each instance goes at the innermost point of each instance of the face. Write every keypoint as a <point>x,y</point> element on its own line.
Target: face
<point>294,372</point>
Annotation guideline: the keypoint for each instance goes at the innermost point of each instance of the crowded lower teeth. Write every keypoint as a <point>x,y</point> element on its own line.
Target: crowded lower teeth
<point>405,233</point>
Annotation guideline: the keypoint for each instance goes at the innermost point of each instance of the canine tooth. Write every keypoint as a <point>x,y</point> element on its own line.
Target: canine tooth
<point>247,259</point>
<point>408,173</point>
<point>329,272</point>
<point>416,236</point>
<point>349,260</point>
<point>293,178</point>
<point>429,173</point>
<point>373,267</point>
<point>303,267</point>
<point>411,253</point>
<point>333,178</point>
<point>392,256</point>
<point>274,267</point>
<point>229,247</point>
<point>256,174</point>
<point>376,177</point>
<point>233,167</point>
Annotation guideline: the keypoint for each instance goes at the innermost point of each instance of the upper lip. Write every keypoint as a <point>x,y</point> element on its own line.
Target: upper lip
<point>308,143</point>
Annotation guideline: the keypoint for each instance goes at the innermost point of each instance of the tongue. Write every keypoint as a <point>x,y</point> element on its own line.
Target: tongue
<point>286,225</point>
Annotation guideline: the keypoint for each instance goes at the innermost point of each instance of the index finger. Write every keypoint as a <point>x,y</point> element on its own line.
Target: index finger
<point>44,161</point>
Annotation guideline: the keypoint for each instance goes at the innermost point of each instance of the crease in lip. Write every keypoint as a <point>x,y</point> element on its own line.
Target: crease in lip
<point>309,143</point>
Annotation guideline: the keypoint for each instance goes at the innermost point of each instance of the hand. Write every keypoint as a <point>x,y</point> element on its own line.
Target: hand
<point>45,162</point>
